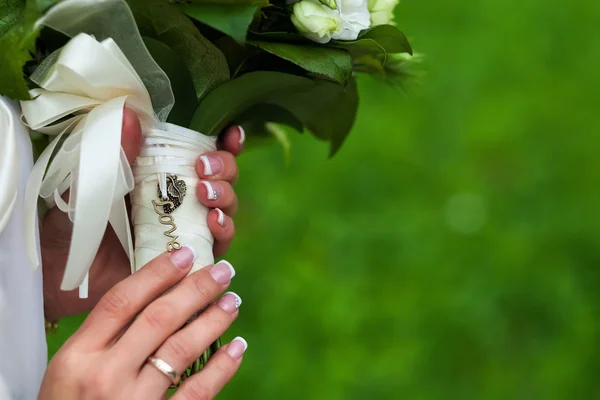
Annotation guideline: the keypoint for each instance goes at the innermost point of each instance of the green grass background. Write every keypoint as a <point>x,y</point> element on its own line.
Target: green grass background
<point>451,250</point>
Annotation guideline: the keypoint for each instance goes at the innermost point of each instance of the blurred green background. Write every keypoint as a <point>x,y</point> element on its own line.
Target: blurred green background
<point>451,249</point>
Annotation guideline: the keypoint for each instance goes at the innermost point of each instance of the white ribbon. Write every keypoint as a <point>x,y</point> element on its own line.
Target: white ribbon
<point>81,101</point>
<point>172,150</point>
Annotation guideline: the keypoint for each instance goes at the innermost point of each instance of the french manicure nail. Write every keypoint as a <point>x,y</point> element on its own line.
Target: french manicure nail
<point>222,272</point>
<point>237,347</point>
<point>212,165</point>
<point>230,302</point>
<point>220,217</point>
<point>184,257</point>
<point>211,193</point>
<point>242,134</point>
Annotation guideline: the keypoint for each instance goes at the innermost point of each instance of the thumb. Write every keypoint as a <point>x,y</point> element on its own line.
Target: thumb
<point>131,138</point>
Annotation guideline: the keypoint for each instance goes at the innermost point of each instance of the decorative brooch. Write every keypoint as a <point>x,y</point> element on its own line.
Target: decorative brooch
<point>176,191</point>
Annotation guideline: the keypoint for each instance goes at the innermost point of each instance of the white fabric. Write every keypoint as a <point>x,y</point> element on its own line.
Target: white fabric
<point>9,162</point>
<point>173,150</point>
<point>92,81</point>
<point>23,351</point>
<point>85,86</point>
<point>103,82</point>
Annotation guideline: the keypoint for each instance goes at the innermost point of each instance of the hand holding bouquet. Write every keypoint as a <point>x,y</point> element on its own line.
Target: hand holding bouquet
<point>188,69</point>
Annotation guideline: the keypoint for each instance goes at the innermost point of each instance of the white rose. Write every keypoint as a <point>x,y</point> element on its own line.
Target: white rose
<point>316,21</point>
<point>355,18</point>
<point>382,11</point>
<point>321,23</point>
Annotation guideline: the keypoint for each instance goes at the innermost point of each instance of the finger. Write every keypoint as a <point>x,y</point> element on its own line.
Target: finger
<point>217,194</point>
<point>187,345</point>
<point>170,312</point>
<point>220,369</point>
<point>223,229</point>
<point>218,165</point>
<point>232,140</point>
<point>131,137</point>
<point>119,306</point>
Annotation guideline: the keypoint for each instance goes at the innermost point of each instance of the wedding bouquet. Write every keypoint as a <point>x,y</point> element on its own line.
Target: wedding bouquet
<point>188,69</point>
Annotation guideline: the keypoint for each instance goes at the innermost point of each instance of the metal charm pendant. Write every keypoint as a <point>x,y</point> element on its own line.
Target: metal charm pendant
<point>176,191</point>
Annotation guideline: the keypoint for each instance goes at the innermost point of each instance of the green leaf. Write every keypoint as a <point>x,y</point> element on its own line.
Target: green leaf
<point>281,137</point>
<point>377,41</point>
<point>232,20</point>
<point>259,131</point>
<point>289,37</point>
<point>235,53</point>
<point>181,81</point>
<point>327,109</point>
<point>330,63</point>
<point>389,37</point>
<point>256,118</point>
<point>231,99</point>
<point>10,13</point>
<point>374,48</point>
<point>17,44</point>
<point>43,5</point>
<point>362,47</point>
<point>165,22</point>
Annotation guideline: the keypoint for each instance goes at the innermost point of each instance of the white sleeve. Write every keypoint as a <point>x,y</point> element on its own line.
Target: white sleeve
<point>23,351</point>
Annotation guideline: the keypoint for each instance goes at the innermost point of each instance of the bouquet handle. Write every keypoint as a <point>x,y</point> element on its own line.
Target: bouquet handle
<point>165,212</point>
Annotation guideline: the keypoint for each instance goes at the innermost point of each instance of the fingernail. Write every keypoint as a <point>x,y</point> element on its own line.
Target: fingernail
<point>212,165</point>
<point>211,193</point>
<point>220,217</point>
<point>222,272</point>
<point>230,302</point>
<point>184,257</point>
<point>242,135</point>
<point>237,347</point>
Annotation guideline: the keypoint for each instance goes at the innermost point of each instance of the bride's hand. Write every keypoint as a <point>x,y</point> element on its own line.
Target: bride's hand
<point>107,357</point>
<point>111,264</point>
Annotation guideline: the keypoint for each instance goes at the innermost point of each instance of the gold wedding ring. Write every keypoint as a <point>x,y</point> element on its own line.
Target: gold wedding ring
<point>166,369</point>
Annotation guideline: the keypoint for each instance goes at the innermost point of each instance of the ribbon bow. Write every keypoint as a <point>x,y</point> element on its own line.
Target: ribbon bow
<point>81,102</point>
